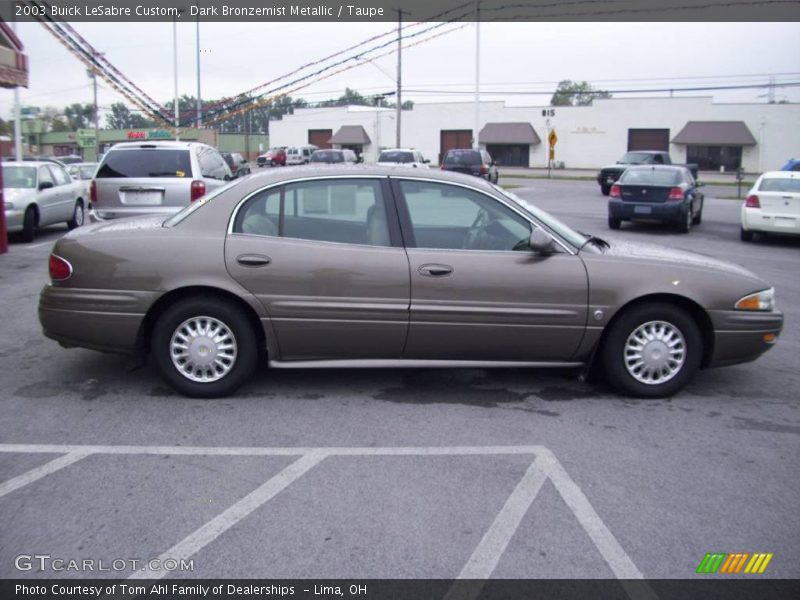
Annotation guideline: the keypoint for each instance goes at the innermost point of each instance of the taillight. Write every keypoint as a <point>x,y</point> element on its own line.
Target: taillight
<point>198,190</point>
<point>752,201</point>
<point>615,192</point>
<point>60,269</point>
<point>675,193</point>
<point>93,192</point>
<point>484,169</point>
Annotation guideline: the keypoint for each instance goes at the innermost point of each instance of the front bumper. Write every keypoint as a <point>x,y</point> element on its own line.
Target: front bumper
<point>668,212</point>
<point>742,336</point>
<point>14,219</point>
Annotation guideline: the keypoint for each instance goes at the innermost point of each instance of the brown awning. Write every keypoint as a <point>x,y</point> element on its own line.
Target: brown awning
<point>715,133</point>
<point>13,61</point>
<point>508,133</point>
<point>350,134</point>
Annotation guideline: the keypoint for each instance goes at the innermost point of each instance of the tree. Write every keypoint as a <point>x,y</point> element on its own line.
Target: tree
<point>79,116</point>
<point>574,93</point>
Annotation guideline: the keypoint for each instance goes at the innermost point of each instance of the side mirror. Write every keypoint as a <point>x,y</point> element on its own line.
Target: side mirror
<point>541,242</point>
<point>45,185</point>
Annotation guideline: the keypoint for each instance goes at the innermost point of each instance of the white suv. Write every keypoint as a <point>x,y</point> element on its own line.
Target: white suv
<point>402,157</point>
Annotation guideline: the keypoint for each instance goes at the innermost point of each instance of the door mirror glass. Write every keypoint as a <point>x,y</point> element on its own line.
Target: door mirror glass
<point>45,185</point>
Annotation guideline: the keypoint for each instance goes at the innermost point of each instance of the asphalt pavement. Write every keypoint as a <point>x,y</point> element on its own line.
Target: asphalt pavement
<point>402,473</point>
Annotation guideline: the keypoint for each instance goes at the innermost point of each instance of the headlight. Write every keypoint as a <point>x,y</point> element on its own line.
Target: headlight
<point>759,301</point>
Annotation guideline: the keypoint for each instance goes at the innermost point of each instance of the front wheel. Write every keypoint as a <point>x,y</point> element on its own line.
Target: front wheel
<point>204,347</point>
<point>652,350</point>
<point>28,225</point>
<point>78,216</point>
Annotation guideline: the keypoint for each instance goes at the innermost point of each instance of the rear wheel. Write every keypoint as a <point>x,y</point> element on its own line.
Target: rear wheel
<point>78,216</point>
<point>204,347</point>
<point>605,189</point>
<point>746,236</point>
<point>28,225</point>
<point>652,350</point>
<point>614,223</point>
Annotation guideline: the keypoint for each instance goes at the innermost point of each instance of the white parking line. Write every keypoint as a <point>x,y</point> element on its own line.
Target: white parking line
<point>51,467</point>
<point>481,563</point>
<point>235,513</point>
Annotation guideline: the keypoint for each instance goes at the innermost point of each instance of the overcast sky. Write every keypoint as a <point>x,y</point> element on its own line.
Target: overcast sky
<point>514,57</point>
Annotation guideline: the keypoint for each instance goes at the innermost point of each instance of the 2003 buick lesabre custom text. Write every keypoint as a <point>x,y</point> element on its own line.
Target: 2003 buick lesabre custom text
<point>348,266</point>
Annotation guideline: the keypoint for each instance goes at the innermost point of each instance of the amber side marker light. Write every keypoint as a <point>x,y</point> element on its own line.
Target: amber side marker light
<point>770,338</point>
<point>60,269</point>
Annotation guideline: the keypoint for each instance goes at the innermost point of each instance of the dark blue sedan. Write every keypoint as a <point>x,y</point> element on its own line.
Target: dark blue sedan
<point>665,194</point>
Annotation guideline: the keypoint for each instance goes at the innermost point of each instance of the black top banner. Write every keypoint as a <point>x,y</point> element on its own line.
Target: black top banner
<point>405,10</point>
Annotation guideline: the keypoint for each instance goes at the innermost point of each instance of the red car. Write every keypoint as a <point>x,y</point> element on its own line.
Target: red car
<point>273,157</point>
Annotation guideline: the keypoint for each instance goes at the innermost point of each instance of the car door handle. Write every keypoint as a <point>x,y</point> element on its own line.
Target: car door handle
<point>253,260</point>
<point>435,270</point>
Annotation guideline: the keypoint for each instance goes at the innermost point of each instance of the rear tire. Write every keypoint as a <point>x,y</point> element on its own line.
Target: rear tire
<point>652,350</point>
<point>204,347</point>
<point>685,226</point>
<point>28,225</point>
<point>78,216</point>
<point>605,189</point>
<point>699,216</point>
<point>614,223</point>
<point>746,236</point>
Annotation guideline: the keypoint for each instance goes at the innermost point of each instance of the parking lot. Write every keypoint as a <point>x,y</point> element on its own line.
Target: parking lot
<point>402,473</point>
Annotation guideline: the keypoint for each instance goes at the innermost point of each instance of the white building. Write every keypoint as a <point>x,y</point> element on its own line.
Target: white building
<point>757,137</point>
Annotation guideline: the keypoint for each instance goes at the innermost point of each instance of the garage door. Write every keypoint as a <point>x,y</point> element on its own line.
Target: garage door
<point>509,155</point>
<point>648,139</point>
<point>451,139</point>
<point>320,137</point>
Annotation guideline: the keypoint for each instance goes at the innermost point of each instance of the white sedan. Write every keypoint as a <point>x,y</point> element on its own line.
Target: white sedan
<point>37,194</point>
<point>772,205</point>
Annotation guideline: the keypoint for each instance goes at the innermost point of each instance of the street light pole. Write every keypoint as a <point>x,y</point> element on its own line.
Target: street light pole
<point>17,118</point>
<point>199,104</point>
<point>399,71</point>
<point>475,143</point>
<point>175,68</point>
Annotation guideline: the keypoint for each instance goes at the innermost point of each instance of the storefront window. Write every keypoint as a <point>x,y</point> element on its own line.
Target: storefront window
<point>711,158</point>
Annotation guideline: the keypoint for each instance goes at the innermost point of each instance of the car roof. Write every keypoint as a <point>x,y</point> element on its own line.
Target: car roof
<point>154,144</point>
<point>28,163</point>
<point>780,174</point>
<point>399,150</point>
<point>656,167</point>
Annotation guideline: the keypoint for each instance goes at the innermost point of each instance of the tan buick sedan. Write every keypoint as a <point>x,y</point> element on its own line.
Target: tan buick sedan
<point>359,266</point>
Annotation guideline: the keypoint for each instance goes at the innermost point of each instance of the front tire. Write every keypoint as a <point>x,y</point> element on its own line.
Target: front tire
<point>78,216</point>
<point>28,225</point>
<point>204,347</point>
<point>685,226</point>
<point>614,223</point>
<point>652,350</point>
<point>605,189</point>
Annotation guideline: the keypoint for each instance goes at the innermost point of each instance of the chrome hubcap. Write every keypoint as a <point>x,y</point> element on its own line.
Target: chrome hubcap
<point>79,215</point>
<point>655,352</point>
<point>203,349</point>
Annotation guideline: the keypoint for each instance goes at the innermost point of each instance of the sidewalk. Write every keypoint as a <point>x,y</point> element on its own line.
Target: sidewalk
<point>708,177</point>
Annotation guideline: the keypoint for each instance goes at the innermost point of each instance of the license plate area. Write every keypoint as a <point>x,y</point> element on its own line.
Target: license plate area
<point>141,198</point>
<point>642,210</point>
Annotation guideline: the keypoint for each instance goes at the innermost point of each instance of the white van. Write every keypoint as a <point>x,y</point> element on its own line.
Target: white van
<point>299,155</point>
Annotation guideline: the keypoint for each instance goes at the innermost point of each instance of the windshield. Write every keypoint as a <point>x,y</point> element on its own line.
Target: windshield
<point>327,156</point>
<point>650,176</point>
<point>146,162</point>
<point>395,156</point>
<point>566,232</point>
<point>462,157</point>
<point>634,158</point>
<point>179,216</point>
<point>19,177</point>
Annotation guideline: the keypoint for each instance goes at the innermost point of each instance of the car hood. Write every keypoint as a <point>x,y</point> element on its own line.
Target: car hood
<point>19,194</point>
<point>672,256</point>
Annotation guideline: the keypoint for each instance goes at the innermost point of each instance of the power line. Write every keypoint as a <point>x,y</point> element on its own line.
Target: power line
<point>618,91</point>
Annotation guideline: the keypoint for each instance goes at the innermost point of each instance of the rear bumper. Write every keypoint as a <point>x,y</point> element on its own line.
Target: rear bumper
<point>739,336</point>
<point>96,319</point>
<point>756,219</point>
<point>668,212</point>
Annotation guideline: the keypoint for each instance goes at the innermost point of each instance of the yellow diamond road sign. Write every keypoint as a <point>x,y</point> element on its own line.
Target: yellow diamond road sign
<point>552,138</point>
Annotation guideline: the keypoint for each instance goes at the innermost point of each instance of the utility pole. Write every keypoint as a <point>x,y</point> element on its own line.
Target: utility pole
<point>475,143</point>
<point>17,118</point>
<point>399,71</point>
<point>96,113</point>
<point>199,104</point>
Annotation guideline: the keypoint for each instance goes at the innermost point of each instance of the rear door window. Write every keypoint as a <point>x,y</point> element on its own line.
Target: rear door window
<point>146,163</point>
<point>60,175</point>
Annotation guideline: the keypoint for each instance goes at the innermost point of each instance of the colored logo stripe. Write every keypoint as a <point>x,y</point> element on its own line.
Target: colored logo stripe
<point>714,562</point>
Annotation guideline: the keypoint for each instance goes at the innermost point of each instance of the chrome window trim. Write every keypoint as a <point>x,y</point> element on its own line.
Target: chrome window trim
<point>238,207</point>
<point>565,245</point>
